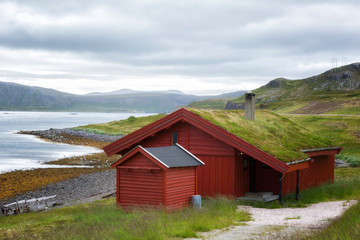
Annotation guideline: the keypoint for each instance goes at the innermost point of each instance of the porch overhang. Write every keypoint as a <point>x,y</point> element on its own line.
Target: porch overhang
<point>300,165</point>
<point>322,151</point>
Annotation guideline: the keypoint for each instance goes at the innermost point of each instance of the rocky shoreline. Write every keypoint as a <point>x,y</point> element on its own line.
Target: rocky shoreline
<point>61,135</point>
<point>85,186</point>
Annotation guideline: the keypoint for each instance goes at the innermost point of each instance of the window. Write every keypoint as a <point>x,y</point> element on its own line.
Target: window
<point>246,162</point>
<point>174,138</point>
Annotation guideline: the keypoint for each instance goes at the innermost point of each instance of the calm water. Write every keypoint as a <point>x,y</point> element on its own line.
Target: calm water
<point>24,151</point>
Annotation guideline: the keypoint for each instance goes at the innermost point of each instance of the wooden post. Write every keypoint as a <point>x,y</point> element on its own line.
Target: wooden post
<point>297,196</point>
<point>280,193</point>
<point>117,185</point>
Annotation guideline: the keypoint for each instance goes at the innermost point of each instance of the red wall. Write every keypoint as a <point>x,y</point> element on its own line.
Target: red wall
<point>267,179</point>
<point>218,174</point>
<point>321,171</point>
<point>139,186</point>
<point>180,186</point>
<point>202,143</point>
<point>172,188</point>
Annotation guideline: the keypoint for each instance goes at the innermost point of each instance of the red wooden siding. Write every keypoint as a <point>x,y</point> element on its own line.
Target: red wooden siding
<point>164,137</point>
<point>139,187</point>
<point>180,186</point>
<point>191,138</point>
<point>321,171</point>
<point>217,176</point>
<point>244,177</point>
<point>139,160</point>
<point>183,130</point>
<point>202,143</point>
<point>289,181</point>
<point>267,179</point>
<point>160,139</point>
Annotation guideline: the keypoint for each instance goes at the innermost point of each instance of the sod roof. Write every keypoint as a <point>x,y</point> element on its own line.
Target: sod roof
<point>270,132</point>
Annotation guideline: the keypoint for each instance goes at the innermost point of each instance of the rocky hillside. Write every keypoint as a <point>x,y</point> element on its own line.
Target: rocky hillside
<point>20,97</point>
<point>334,91</point>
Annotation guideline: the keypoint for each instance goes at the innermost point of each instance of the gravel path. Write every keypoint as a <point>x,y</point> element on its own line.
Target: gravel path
<point>282,223</point>
<point>85,188</point>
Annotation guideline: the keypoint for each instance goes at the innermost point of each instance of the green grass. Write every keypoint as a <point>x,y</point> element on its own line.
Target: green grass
<point>103,220</point>
<point>320,93</point>
<point>210,103</point>
<point>347,110</point>
<point>290,218</point>
<point>122,127</point>
<point>270,132</point>
<point>343,130</point>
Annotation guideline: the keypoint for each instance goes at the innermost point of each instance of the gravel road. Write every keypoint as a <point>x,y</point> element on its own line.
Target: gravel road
<point>283,222</point>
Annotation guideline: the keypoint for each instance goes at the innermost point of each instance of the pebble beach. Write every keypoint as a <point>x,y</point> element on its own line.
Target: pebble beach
<point>68,184</point>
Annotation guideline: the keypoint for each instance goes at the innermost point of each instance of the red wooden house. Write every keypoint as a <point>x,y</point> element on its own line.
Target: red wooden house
<point>164,176</point>
<point>233,166</point>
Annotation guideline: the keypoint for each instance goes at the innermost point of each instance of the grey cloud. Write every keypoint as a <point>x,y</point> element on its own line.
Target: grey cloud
<point>188,38</point>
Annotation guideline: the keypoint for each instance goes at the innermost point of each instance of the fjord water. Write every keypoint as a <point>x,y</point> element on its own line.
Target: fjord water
<point>18,151</point>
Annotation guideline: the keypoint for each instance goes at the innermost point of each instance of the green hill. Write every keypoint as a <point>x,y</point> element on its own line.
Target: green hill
<point>335,91</point>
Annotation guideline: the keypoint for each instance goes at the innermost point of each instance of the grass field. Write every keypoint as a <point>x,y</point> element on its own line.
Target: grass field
<point>342,130</point>
<point>121,127</point>
<point>103,220</point>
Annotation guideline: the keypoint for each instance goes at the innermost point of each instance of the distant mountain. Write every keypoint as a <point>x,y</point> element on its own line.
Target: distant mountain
<point>335,91</point>
<point>216,102</point>
<point>130,91</point>
<point>20,97</point>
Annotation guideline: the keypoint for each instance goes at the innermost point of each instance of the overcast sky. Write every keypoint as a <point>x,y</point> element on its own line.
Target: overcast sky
<point>200,47</point>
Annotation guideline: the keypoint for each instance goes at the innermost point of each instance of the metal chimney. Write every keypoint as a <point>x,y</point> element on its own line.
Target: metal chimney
<point>250,105</point>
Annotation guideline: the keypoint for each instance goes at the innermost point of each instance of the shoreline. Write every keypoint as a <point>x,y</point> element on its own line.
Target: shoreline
<point>69,184</point>
<point>68,190</point>
<point>73,137</point>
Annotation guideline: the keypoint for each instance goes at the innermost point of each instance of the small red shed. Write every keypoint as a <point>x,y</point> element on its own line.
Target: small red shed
<point>157,176</point>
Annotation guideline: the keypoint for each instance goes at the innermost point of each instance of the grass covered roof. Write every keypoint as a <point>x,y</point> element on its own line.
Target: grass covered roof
<point>270,132</point>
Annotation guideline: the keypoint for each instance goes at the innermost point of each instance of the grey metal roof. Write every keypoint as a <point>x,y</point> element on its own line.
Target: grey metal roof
<point>174,156</point>
<point>320,149</point>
